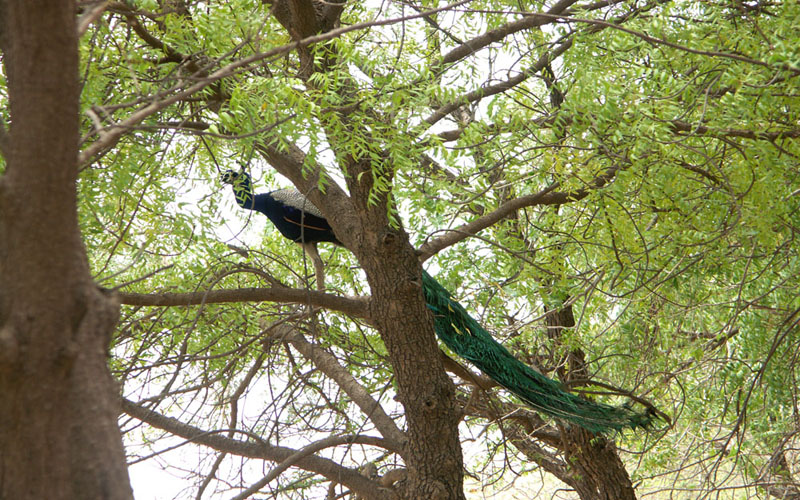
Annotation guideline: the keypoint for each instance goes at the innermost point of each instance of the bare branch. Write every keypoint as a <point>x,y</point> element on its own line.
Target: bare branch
<point>262,450</point>
<point>331,367</point>
<point>352,306</point>
<point>292,460</point>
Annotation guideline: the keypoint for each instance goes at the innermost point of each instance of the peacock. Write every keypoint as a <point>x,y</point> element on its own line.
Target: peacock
<point>295,217</point>
<point>300,221</point>
<point>464,336</point>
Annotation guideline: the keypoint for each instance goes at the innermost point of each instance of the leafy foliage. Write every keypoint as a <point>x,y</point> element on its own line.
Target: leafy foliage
<point>670,128</point>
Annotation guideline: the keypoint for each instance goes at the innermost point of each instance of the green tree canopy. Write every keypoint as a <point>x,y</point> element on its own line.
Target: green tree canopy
<point>610,188</point>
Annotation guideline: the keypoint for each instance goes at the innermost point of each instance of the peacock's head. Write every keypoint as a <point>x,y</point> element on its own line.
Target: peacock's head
<point>229,177</point>
<point>233,177</point>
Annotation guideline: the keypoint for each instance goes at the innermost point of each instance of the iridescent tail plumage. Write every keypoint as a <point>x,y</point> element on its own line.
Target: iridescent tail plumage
<point>466,338</point>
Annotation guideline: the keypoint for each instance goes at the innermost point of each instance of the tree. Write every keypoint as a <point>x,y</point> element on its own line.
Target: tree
<point>610,187</point>
<point>58,432</point>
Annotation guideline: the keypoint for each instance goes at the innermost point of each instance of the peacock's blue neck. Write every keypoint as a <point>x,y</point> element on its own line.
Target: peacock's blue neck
<point>243,190</point>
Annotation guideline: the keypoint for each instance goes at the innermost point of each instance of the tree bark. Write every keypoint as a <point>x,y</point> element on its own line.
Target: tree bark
<point>58,418</point>
<point>433,450</point>
<point>599,474</point>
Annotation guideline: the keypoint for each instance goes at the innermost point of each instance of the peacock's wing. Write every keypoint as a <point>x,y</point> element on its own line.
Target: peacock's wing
<point>294,199</point>
<point>465,337</point>
<point>298,219</point>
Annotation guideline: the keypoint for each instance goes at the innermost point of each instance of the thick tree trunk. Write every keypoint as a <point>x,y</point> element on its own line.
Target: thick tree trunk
<point>433,451</point>
<point>58,417</point>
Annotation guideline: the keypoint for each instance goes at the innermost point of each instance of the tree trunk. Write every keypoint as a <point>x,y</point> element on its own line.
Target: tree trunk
<point>58,418</point>
<point>598,473</point>
<point>433,451</point>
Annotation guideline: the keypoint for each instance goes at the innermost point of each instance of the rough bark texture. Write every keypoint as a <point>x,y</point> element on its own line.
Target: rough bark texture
<point>433,450</point>
<point>58,418</point>
<point>598,471</point>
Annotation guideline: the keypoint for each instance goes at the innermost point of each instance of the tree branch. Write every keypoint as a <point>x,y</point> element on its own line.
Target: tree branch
<point>547,196</point>
<point>478,380</point>
<point>480,93</point>
<point>262,450</point>
<point>292,460</point>
<point>352,306</point>
<point>681,126</point>
<point>328,364</point>
<point>129,14</point>
<point>529,21</point>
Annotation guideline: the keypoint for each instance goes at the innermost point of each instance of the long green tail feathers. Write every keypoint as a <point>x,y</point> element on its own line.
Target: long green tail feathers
<point>465,337</point>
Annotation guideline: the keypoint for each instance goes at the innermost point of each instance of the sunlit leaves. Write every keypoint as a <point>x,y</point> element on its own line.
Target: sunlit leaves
<point>681,268</point>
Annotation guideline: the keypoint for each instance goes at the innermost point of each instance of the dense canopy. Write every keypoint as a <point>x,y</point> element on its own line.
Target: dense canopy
<point>612,189</point>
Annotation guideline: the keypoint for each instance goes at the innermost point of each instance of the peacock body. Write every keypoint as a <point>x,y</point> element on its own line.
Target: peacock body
<point>295,217</point>
<point>300,221</point>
